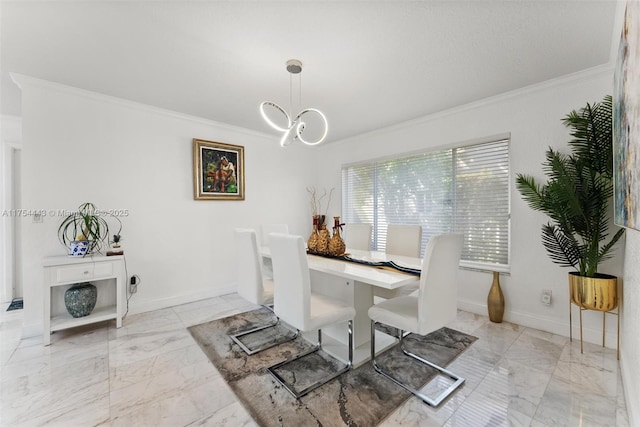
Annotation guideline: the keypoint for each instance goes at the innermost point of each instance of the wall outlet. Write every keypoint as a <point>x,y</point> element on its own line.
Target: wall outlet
<point>546,297</point>
<point>133,284</point>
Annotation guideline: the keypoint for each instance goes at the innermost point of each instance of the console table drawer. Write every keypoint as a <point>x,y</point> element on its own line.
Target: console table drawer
<point>102,269</point>
<point>75,273</point>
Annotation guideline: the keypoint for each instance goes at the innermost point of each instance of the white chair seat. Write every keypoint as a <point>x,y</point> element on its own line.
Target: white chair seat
<point>401,312</point>
<point>326,311</point>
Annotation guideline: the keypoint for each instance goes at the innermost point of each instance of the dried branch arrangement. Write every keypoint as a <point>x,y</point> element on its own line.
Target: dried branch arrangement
<point>316,201</point>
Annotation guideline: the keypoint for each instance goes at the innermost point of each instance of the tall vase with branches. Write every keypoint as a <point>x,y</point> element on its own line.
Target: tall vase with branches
<point>318,240</point>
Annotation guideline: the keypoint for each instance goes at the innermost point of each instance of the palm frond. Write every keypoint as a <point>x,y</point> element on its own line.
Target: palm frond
<point>562,248</point>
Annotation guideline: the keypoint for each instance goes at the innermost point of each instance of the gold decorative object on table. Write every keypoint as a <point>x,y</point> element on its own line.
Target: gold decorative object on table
<point>324,237</point>
<point>598,293</point>
<point>337,245</point>
<point>312,243</point>
<point>495,300</point>
<point>320,237</point>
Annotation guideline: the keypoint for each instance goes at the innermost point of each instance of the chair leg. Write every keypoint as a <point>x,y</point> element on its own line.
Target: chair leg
<point>236,338</point>
<point>317,347</point>
<point>458,381</point>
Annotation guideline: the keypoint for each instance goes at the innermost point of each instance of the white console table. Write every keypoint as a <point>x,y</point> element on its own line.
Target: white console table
<point>61,272</point>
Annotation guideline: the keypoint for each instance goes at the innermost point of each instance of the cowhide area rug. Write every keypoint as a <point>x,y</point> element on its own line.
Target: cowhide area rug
<point>360,397</point>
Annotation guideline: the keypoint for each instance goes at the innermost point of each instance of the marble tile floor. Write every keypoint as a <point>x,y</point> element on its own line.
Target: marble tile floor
<point>151,372</point>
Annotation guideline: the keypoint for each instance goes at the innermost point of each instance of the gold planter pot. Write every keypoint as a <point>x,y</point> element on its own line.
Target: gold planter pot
<point>594,293</point>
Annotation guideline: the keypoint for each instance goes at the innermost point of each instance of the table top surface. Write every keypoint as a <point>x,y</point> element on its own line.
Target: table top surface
<point>377,276</point>
<point>50,261</point>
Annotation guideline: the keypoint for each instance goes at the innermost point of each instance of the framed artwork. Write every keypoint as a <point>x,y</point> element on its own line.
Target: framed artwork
<point>626,122</point>
<point>218,171</point>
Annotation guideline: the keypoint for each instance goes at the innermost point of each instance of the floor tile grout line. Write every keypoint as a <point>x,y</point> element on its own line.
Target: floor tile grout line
<point>477,385</point>
<point>533,418</point>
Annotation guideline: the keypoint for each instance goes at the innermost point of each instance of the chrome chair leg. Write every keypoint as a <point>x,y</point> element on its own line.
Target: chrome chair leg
<point>458,381</point>
<point>236,337</point>
<point>317,347</point>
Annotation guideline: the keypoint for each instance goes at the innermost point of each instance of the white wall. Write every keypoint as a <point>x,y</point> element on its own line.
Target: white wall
<point>630,339</point>
<point>533,117</point>
<point>10,142</point>
<point>79,146</point>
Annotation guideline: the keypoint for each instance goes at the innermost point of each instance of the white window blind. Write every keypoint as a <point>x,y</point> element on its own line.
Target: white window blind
<point>463,189</point>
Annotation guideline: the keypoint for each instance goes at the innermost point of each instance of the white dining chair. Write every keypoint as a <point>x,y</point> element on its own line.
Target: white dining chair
<point>265,230</point>
<point>252,286</point>
<point>434,306</point>
<point>404,240</point>
<point>298,306</point>
<point>358,236</point>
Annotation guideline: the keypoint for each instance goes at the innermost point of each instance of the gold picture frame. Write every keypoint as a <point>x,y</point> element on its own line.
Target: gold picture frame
<point>218,170</point>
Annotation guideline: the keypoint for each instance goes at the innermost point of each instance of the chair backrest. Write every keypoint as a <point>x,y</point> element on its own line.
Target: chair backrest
<point>292,284</point>
<point>249,270</point>
<point>266,229</point>
<point>438,293</point>
<point>358,236</point>
<point>404,240</point>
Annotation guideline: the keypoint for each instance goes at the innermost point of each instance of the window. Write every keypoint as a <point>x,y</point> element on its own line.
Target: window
<point>463,189</point>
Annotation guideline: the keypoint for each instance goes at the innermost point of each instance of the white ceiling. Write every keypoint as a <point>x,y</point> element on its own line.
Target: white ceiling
<point>367,65</point>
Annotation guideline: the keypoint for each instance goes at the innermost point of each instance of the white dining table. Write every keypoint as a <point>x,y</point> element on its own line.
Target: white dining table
<point>352,283</point>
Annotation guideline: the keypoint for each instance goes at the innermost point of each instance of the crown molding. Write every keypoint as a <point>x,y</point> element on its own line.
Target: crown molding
<point>618,23</point>
<point>23,81</point>
<point>569,79</point>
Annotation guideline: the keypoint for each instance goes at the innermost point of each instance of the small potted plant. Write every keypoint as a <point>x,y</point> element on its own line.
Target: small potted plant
<point>116,249</point>
<point>83,231</point>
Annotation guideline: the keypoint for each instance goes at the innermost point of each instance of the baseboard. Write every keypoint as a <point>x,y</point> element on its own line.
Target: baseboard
<point>136,307</point>
<point>631,391</point>
<point>548,324</point>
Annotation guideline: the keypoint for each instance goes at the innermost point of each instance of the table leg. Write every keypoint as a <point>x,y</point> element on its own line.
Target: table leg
<point>360,296</point>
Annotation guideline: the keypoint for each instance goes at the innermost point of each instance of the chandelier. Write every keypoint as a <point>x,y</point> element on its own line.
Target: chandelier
<point>293,129</point>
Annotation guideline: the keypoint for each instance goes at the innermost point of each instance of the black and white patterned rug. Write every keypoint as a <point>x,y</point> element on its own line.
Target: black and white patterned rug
<point>360,397</point>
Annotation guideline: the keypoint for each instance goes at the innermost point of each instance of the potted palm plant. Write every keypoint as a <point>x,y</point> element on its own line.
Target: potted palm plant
<point>577,198</point>
<point>83,231</point>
